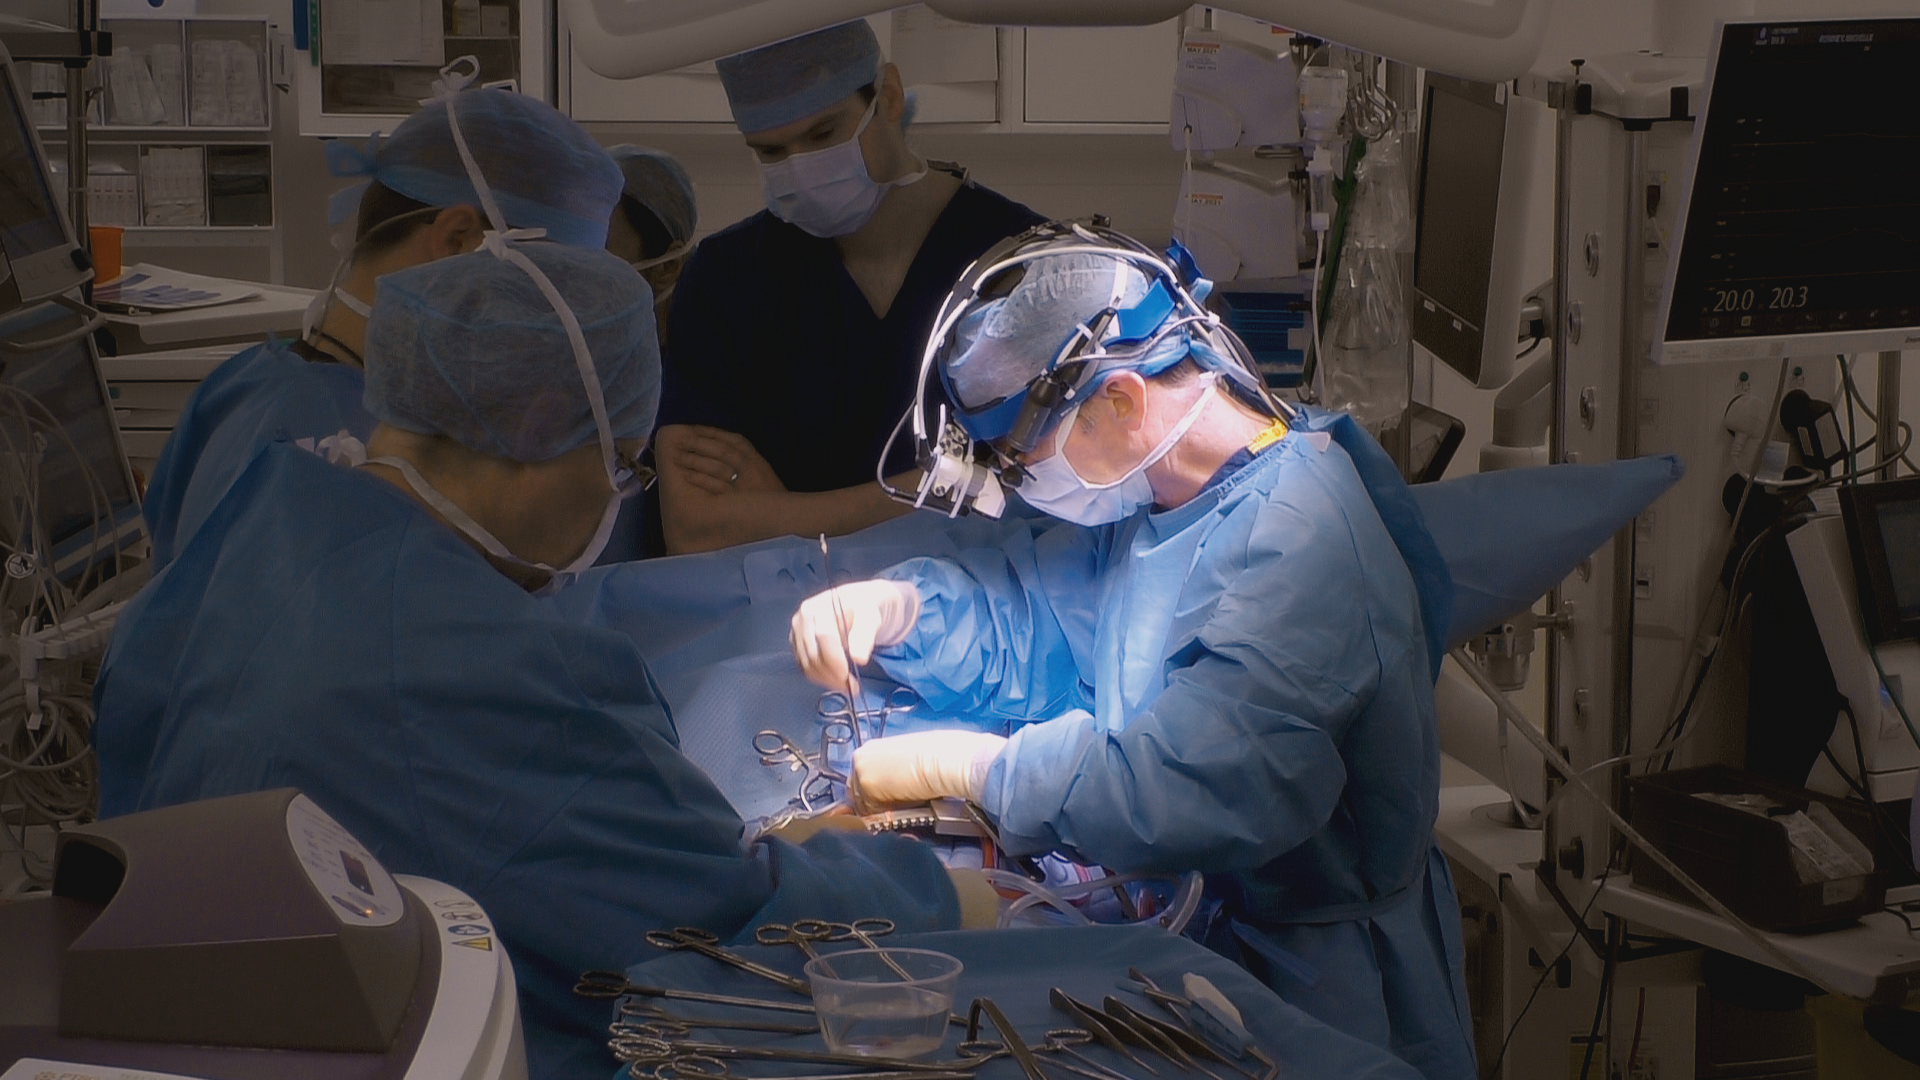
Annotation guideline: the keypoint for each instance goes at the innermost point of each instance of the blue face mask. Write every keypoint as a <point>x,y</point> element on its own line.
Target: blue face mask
<point>828,192</point>
<point>1053,487</point>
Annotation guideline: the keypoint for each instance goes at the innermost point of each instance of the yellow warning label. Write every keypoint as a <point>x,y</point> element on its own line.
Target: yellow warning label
<point>485,944</point>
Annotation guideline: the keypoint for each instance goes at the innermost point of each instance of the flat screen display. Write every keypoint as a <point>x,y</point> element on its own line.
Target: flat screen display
<point>29,221</point>
<point>1900,537</point>
<point>64,380</point>
<point>1459,199</point>
<point>1803,220</point>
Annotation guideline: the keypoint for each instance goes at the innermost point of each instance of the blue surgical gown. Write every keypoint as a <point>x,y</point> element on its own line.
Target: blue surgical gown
<point>322,631</point>
<point>260,394</point>
<point>1243,686</point>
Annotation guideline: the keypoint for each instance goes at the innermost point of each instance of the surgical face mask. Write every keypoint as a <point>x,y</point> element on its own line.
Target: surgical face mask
<point>1052,486</point>
<point>828,192</point>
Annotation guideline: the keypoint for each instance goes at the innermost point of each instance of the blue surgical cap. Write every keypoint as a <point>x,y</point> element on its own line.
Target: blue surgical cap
<point>791,80</point>
<point>469,347</point>
<point>659,183</point>
<point>544,169</point>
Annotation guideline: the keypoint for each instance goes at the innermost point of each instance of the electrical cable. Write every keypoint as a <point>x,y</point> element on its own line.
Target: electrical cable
<point>1600,1002</point>
<point>1554,759</point>
<point>1854,395</point>
<point>1694,641</point>
<point>1639,1019</point>
<point>1572,940</point>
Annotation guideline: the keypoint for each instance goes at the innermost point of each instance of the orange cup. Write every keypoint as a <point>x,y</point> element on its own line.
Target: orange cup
<point>103,242</point>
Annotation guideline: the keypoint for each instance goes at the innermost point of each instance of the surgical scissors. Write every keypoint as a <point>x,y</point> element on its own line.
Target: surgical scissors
<point>606,985</point>
<point>708,945</point>
<point>801,935</point>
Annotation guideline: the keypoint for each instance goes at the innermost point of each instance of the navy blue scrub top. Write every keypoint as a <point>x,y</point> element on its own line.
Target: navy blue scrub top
<point>769,337</point>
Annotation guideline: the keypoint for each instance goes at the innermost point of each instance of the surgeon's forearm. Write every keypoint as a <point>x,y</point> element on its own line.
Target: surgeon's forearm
<point>693,520</point>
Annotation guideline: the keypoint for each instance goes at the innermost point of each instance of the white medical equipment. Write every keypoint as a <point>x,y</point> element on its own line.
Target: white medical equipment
<point>1828,574</point>
<point>250,936</point>
<point>1228,92</point>
<point>1238,223</point>
<point>1480,39</point>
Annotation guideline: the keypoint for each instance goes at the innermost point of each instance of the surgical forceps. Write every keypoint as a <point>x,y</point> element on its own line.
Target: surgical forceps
<point>864,931</point>
<point>1058,1041</point>
<point>775,748</point>
<point>708,945</point>
<point>697,1067</point>
<point>705,1055</point>
<point>605,985</point>
<point>637,1018</point>
<point>838,708</point>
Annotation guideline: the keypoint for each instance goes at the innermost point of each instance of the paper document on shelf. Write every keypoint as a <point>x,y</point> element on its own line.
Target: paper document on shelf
<point>145,288</point>
<point>931,48</point>
<point>383,32</point>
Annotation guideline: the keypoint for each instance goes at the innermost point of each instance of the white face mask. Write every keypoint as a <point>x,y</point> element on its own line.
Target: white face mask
<point>1053,487</point>
<point>557,577</point>
<point>828,192</point>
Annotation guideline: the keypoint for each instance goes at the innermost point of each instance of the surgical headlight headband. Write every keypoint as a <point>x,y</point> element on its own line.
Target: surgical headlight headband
<point>1114,339</point>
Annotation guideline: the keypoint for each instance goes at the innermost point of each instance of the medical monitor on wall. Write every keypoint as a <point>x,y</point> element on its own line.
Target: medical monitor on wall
<point>1801,226</point>
<point>38,257</point>
<point>1469,226</point>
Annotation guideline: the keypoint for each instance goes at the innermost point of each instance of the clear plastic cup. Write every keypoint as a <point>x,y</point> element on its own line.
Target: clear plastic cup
<point>865,1007</point>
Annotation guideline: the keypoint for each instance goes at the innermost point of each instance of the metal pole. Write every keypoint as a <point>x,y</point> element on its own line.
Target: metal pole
<point>1403,87</point>
<point>77,150</point>
<point>1886,441</point>
<point>1633,354</point>
<point>1561,96</point>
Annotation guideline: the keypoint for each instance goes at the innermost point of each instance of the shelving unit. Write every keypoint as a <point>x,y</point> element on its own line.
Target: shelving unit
<point>179,133</point>
<point>375,64</point>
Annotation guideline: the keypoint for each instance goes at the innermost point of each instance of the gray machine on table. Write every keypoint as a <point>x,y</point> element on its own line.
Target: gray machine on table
<point>244,937</point>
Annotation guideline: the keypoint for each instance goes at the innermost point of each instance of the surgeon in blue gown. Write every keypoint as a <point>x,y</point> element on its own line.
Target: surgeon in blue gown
<point>1222,659</point>
<point>418,204</point>
<point>364,630</point>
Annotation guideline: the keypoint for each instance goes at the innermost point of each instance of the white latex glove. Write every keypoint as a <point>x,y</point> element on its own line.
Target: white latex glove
<point>876,614</point>
<point>923,766</point>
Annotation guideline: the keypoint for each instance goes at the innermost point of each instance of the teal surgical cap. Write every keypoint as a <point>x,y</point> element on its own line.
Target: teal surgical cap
<point>544,169</point>
<point>659,183</point>
<point>791,80</point>
<point>1003,344</point>
<point>469,347</point>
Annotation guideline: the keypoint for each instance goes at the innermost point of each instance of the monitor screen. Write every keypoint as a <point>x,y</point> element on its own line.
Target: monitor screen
<point>1459,198</point>
<point>29,218</point>
<point>82,492</point>
<point>1802,221</point>
<point>1900,539</point>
